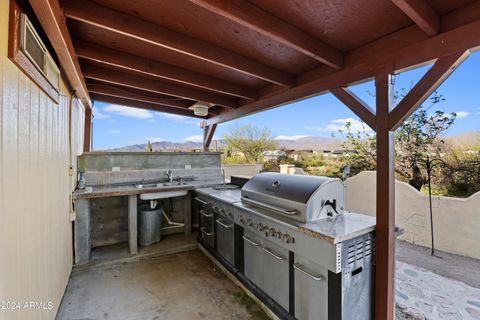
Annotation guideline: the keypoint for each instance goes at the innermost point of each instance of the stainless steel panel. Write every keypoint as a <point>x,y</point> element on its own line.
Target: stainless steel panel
<point>253,257</point>
<point>225,239</point>
<point>311,290</point>
<point>207,236</point>
<point>276,273</point>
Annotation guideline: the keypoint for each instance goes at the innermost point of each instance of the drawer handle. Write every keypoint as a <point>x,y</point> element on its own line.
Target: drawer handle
<point>202,212</point>
<point>201,201</point>
<point>223,224</point>
<point>208,234</point>
<point>273,254</point>
<point>298,267</point>
<point>253,243</point>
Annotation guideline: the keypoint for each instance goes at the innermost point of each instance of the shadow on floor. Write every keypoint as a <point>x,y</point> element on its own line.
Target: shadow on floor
<point>173,287</point>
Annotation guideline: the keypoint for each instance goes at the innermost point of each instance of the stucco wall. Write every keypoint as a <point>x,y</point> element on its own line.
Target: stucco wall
<point>241,169</point>
<point>456,221</point>
<point>35,231</point>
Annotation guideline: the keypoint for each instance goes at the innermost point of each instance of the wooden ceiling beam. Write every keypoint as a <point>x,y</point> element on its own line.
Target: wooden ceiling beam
<point>357,105</point>
<point>422,14</point>
<point>434,77</point>
<point>125,79</point>
<point>142,105</point>
<point>112,91</point>
<point>52,20</point>
<point>261,21</point>
<point>91,13</point>
<point>127,61</point>
<point>358,69</point>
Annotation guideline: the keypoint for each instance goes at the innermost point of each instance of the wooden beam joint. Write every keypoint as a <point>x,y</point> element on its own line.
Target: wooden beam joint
<point>422,14</point>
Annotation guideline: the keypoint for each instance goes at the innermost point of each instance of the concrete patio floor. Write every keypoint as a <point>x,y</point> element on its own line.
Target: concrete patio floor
<point>173,287</point>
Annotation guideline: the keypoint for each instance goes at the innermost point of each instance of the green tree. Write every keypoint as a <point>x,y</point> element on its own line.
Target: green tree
<point>250,141</point>
<point>420,135</point>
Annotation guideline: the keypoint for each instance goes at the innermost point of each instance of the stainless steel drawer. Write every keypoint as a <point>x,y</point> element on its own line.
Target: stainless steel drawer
<point>311,290</point>
<point>225,239</point>
<point>276,273</point>
<point>207,236</point>
<point>253,258</point>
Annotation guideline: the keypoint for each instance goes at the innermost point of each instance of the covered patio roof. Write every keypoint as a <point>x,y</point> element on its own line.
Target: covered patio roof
<point>242,57</point>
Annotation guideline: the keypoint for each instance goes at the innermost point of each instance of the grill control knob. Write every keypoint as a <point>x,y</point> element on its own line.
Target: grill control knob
<point>260,226</point>
<point>279,235</point>
<point>287,238</point>
<point>249,222</point>
<point>242,219</point>
<point>272,232</point>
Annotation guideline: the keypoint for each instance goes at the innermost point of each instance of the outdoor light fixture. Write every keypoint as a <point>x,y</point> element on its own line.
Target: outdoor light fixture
<point>200,109</point>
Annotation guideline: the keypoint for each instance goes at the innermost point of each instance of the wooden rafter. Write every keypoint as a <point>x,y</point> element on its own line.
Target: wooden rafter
<point>142,83</point>
<point>108,19</point>
<point>422,14</point>
<point>87,131</point>
<point>52,20</point>
<point>208,133</point>
<point>434,77</point>
<point>118,92</point>
<point>141,105</point>
<point>255,18</point>
<point>360,68</point>
<point>357,105</point>
<point>385,200</point>
<point>127,61</point>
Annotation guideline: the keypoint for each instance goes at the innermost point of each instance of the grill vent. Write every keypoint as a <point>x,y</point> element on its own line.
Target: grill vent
<point>359,251</point>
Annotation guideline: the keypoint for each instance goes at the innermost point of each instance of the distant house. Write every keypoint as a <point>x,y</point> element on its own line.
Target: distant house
<point>297,154</point>
<point>274,154</point>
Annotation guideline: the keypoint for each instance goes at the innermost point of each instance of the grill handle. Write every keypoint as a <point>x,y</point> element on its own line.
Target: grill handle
<point>223,224</point>
<point>289,212</point>
<point>202,212</point>
<point>273,254</point>
<point>250,241</point>
<point>208,234</point>
<point>298,267</point>
<point>201,201</point>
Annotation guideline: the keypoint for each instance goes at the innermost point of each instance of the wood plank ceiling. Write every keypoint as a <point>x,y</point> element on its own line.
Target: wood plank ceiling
<point>244,56</point>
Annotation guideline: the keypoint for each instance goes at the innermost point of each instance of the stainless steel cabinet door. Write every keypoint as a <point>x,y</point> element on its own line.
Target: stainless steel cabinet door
<point>311,290</point>
<point>225,239</point>
<point>275,273</point>
<point>253,257</point>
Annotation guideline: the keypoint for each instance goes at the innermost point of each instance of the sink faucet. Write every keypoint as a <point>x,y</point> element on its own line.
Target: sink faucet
<point>223,177</point>
<point>169,175</point>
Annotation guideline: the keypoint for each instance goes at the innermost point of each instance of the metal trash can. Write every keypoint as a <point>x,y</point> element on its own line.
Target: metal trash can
<point>149,225</point>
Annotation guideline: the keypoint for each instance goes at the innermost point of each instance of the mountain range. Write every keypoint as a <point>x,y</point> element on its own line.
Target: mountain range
<point>303,143</point>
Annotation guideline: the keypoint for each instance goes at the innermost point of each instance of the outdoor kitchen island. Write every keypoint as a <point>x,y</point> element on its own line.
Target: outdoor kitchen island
<point>287,240</point>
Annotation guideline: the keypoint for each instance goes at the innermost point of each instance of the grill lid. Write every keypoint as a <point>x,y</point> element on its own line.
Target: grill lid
<point>300,197</point>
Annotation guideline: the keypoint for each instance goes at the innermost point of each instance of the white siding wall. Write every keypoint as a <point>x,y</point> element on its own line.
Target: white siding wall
<point>35,231</point>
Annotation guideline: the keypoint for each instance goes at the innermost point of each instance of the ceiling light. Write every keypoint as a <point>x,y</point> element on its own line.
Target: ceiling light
<point>200,109</point>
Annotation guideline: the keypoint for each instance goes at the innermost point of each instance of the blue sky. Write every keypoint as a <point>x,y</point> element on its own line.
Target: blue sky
<point>116,126</point>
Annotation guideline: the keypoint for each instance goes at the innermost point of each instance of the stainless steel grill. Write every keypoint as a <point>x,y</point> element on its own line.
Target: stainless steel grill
<point>302,198</point>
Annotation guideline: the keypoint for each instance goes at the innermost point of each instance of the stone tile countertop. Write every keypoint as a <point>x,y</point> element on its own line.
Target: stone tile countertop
<point>125,190</point>
<point>339,228</point>
<point>229,195</point>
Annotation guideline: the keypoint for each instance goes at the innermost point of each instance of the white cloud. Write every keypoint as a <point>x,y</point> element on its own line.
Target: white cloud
<point>98,114</point>
<point>178,118</point>
<point>297,137</point>
<point>128,112</point>
<point>462,114</point>
<point>339,124</point>
<point>154,139</point>
<point>198,138</point>
<point>113,131</point>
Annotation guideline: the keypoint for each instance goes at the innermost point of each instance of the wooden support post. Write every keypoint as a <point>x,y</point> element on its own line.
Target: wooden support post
<point>385,229</point>
<point>87,137</point>
<point>208,133</point>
